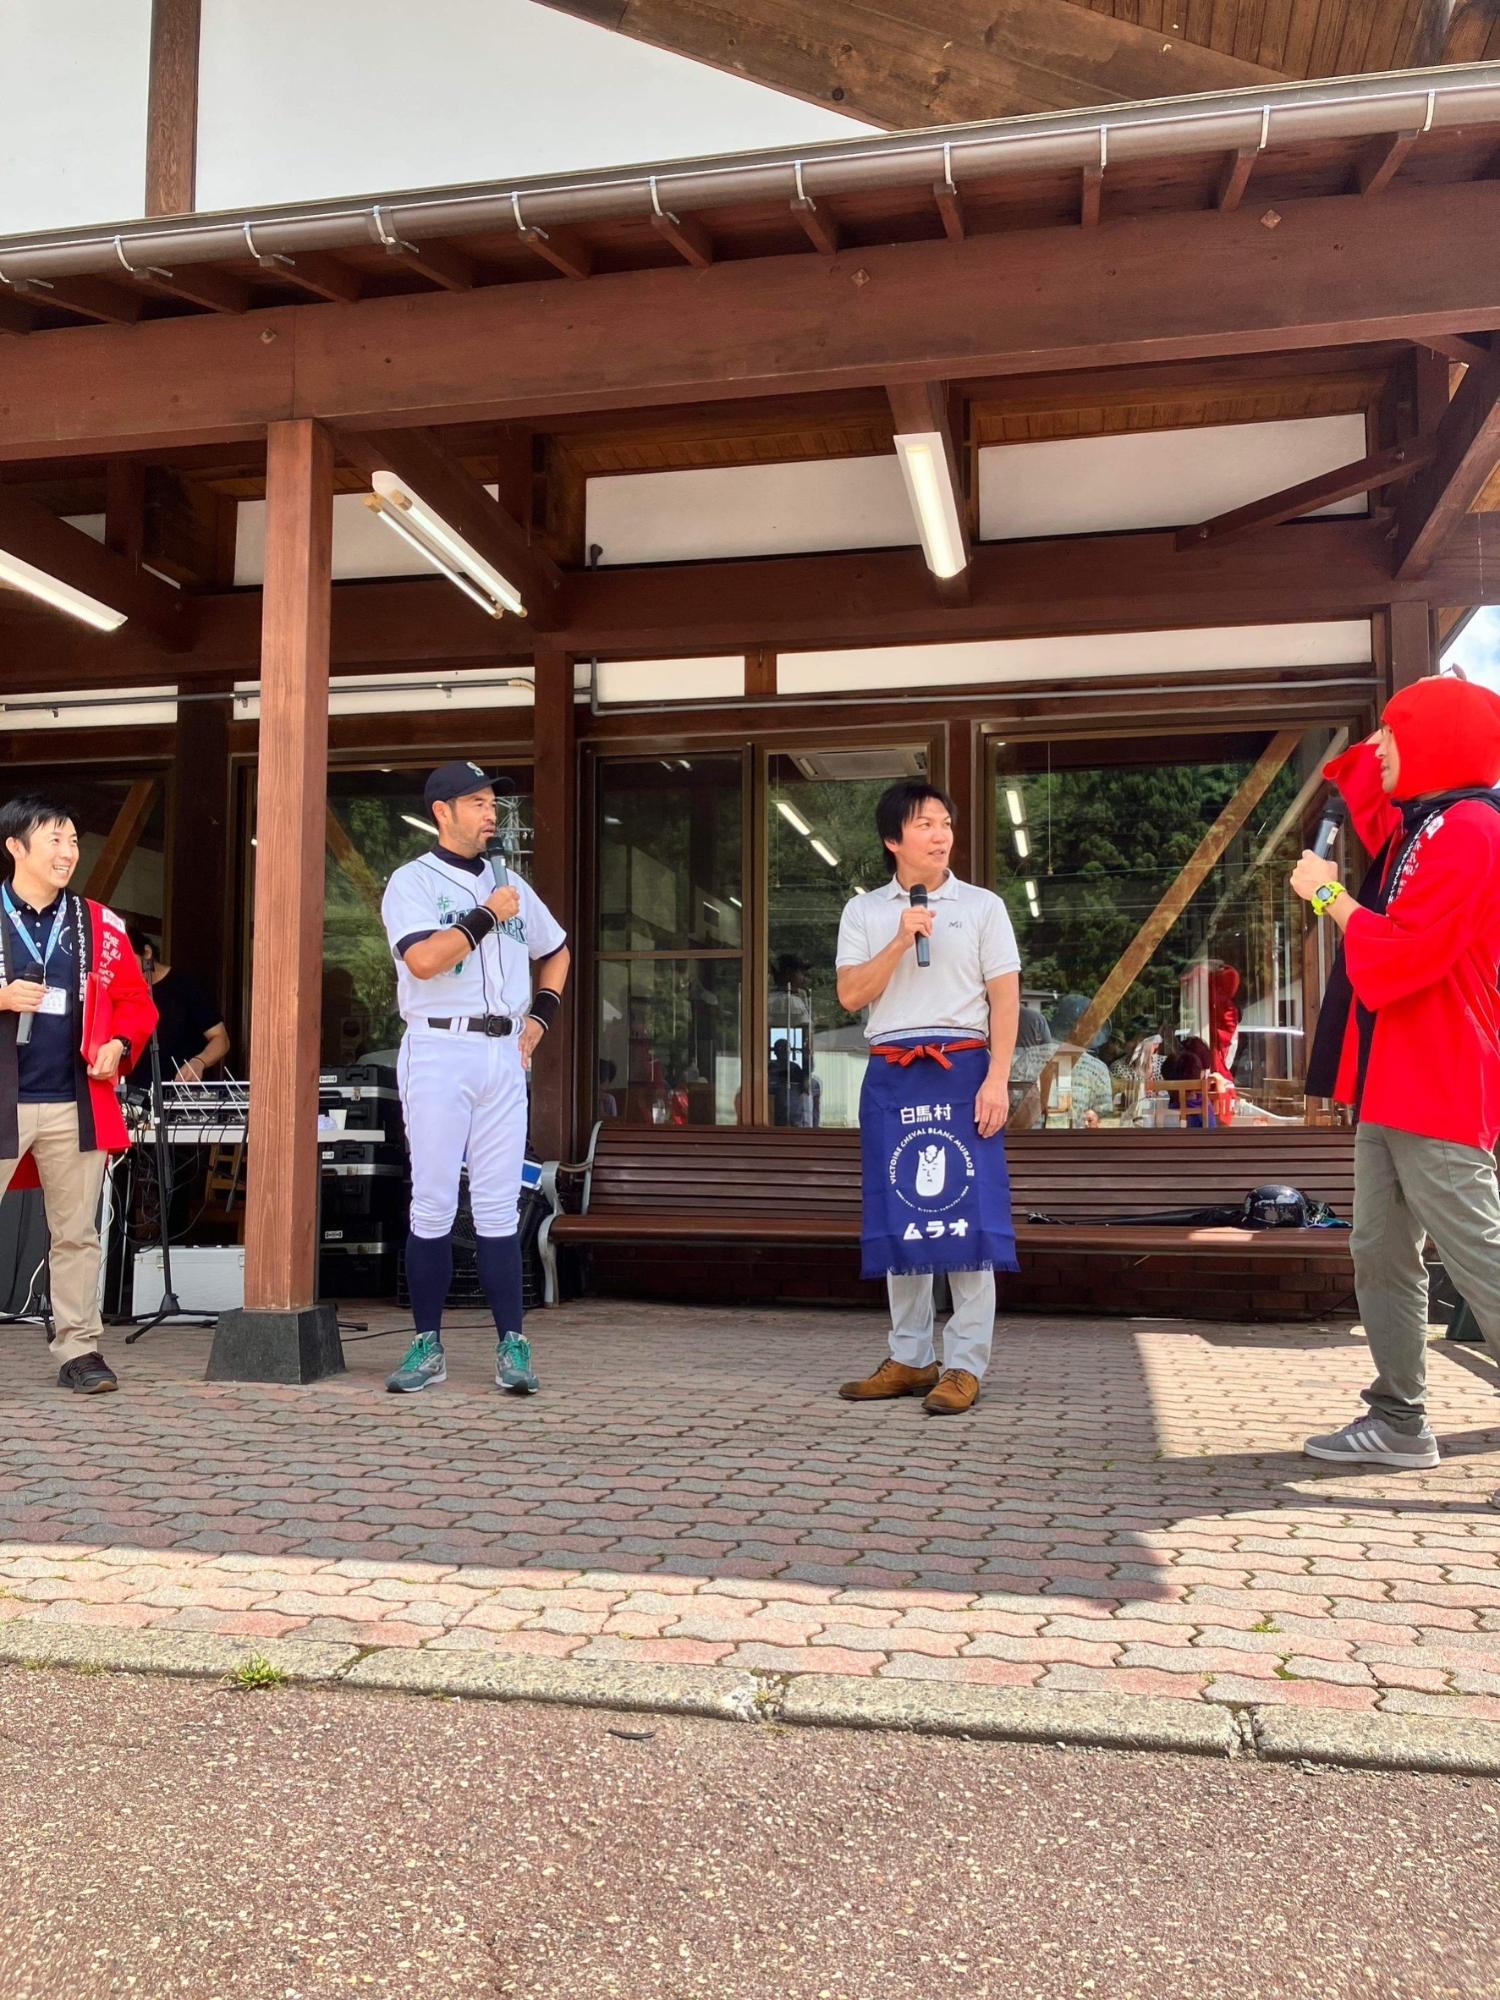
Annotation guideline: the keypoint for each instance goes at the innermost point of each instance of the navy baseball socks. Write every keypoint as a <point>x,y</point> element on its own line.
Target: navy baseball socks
<point>429,1275</point>
<point>498,1260</point>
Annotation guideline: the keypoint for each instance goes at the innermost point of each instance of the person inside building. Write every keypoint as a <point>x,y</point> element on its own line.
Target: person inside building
<point>1409,1034</point>
<point>75,1014</point>
<point>192,1036</point>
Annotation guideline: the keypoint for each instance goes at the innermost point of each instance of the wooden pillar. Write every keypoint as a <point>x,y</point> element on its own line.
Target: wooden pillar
<point>554,876</point>
<point>172,108</point>
<point>1405,646</point>
<point>282,1335</point>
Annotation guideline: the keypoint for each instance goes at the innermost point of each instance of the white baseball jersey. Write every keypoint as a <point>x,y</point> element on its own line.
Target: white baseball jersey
<point>430,894</point>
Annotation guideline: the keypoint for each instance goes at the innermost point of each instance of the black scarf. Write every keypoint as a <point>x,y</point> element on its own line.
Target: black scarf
<point>1375,893</point>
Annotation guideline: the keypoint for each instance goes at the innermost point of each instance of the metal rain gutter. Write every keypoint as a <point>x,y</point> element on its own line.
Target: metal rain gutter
<point>1363,107</point>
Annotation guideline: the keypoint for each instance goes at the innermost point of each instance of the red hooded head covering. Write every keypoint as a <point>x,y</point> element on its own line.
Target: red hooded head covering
<point>1448,734</point>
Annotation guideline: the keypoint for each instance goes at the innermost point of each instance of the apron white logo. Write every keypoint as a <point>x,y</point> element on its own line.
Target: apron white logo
<point>932,1171</point>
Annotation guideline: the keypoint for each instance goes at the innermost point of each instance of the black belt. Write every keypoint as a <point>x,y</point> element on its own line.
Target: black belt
<point>476,1024</point>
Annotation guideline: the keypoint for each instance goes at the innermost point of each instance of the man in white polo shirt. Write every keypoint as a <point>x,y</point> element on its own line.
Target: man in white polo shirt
<point>934,962</point>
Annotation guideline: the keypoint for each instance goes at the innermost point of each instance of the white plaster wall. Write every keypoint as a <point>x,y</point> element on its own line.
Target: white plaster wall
<point>73,129</point>
<point>1156,479</point>
<point>300,101</point>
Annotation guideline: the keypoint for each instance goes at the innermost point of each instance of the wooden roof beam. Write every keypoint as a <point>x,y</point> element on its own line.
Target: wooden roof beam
<point>1466,452</point>
<point>326,278</point>
<point>1091,196</point>
<point>15,318</point>
<point>439,263</point>
<point>820,224</point>
<point>687,237</point>
<point>60,550</point>
<point>1365,475</point>
<point>197,284</point>
<point>1457,347</point>
<point>1380,162</point>
<point>420,461</point>
<point>950,206</point>
<point>1234,178</point>
<point>560,248</point>
<point>90,298</point>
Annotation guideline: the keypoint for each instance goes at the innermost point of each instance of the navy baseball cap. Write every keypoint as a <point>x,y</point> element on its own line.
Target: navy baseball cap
<point>453,781</point>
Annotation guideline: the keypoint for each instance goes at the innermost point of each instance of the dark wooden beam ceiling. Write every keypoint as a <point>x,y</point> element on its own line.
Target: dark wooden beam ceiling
<point>1336,271</point>
<point>1466,451</point>
<point>907,63</point>
<point>62,551</point>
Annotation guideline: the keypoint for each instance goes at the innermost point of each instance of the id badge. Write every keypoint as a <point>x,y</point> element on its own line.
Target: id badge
<point>56,1001</point>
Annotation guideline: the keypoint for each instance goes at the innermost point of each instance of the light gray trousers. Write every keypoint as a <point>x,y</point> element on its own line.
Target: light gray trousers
<point>969,1333</point>
<point>1407,1188</point>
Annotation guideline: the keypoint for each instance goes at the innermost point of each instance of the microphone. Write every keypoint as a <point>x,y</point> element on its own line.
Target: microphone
<point>23,1029</point>
<point>496,854</point>
<point>1335,812</point>
<point>924,945</point>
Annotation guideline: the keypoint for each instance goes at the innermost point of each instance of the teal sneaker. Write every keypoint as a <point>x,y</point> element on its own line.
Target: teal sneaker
<point>423,1366</point>
<point>513,1370</point>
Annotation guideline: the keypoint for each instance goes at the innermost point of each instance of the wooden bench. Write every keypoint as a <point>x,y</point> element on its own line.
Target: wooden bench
<point>728,1185</point>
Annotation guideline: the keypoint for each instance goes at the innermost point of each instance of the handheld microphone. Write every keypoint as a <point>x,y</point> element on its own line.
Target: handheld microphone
<point>496,854</point>
<point>23,1029</point>
<point>924,944</point>
<point>1335,812</point>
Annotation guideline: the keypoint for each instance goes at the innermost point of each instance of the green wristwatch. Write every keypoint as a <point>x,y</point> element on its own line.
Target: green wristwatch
<point>1324,896</point>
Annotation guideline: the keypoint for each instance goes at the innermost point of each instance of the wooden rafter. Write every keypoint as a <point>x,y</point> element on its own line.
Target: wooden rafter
<point>687,237</point>
<point>1454,347</point>
<point>1234,178</point>
<point>1365,475</point>
<point>563,249</point>
<point>439,263</point>
<point>1380,161</point>
<point>819,224</point>
<point>324,277</point>
<point>1466,452</point>
<point>122,839</point>
<point>198,285</point>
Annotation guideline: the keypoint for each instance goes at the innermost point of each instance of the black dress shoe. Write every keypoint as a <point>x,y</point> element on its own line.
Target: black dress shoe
<point>87,1375</point>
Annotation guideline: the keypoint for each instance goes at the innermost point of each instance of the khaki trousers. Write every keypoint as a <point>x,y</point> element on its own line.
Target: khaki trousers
<point>1407,1188</point>
<point>71,1181</point>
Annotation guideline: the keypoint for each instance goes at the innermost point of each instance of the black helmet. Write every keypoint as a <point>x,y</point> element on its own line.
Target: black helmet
<point>1275,1207</point>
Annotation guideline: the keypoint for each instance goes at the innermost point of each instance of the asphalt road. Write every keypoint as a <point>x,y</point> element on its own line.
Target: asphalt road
<point>164,1839</point>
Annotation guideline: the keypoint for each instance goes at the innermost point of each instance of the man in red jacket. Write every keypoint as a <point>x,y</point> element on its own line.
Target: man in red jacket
<point>1410,1035</point>
<point>75,1013</point>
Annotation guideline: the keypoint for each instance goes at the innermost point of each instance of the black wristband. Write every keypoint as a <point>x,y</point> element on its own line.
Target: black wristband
<point>546,1007</point>
<point>476,925</point>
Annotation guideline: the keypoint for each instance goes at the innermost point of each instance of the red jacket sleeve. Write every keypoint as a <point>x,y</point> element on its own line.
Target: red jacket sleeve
<point>1431,920</point>
<point>132,1010</point>
<point>1357,775</point>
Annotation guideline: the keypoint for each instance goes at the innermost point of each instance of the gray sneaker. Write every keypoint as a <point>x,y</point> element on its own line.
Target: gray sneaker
<point>423,1366</point>
<point>1367,1441</point>
<point>513,1369</point>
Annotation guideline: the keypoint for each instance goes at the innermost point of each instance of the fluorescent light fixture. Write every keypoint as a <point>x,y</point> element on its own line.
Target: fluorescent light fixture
<point>794,819</point>
<point>1031,892</point>
<point>825,853</point>
<point>422,825</point>
<point>1023,845</point>
<point>61,596</point>
<point>929,487</point>
<point>430,535</point>
<point>1014,806</point>
<point>736,902</point>
<point>1035,906</point>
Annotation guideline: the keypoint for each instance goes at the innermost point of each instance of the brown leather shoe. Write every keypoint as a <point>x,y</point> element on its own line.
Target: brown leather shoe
<point>891,1378</point>
<point>957,1391</point>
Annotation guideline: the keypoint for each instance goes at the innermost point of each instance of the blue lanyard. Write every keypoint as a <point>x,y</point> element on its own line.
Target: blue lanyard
<point>25,935</point>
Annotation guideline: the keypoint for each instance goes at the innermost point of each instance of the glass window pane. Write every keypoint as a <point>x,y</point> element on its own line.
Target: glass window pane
<point>822,847</point>
<point>1090,841</point>
<point>377,821</point>
<point>670,862</point>
<point>669,1041</point>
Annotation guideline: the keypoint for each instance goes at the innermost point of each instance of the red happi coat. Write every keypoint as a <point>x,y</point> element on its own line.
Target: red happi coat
<point>111,997</point>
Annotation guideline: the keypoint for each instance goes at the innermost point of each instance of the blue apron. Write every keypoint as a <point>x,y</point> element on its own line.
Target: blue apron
<point>936,1195</point>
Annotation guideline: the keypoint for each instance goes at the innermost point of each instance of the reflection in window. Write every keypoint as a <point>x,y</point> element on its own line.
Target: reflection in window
<point>1200,1020</point>
<point>823,848</point>
<point>669,1040</point>
<point>376,820</point>
<point>671,915</point>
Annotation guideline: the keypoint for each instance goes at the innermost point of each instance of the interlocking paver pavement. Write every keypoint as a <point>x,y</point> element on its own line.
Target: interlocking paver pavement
<point>1127,1510</point>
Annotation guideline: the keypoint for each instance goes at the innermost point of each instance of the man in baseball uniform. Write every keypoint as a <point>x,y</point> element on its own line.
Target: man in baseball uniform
<point>465,948</point>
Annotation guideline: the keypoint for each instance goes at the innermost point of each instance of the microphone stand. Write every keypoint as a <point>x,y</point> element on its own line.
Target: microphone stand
<point>170,1309</point>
